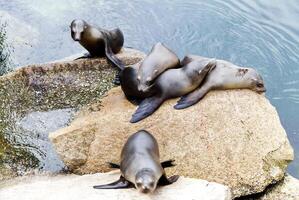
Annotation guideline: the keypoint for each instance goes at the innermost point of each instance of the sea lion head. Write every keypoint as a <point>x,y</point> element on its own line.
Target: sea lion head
<point>256,81</point>
<point>77,28</point>
<point>145,181</point>
<point>145,79</point>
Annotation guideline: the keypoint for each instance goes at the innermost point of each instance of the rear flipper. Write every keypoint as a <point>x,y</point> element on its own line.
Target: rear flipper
<point>113,59</point>
<point>146,108</point>
<point>192,98</point>
<point>168,163</point>
<point>167,181</point>
<point>110,55</point>
<point>119,184</point>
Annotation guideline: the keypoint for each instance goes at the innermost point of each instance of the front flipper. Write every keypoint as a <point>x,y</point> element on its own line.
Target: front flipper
<point>146,108</point>
<point>192,98</point>
<point>119,184</point>
<point>167,181</point>
<point>86,55</point>
<point>167,163</point>
<point>113,165</point>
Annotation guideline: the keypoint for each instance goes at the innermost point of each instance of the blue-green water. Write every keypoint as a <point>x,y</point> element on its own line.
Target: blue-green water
<point>263,34</point>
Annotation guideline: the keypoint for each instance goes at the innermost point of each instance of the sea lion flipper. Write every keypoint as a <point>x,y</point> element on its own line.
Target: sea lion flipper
<point>167,181</point>
<point>110,55</point>
<point>85,55</point>
<point>119,184</point>
<point>168,163</point>
<point>113,165</point>
<point>113,59</point>
<point>146,108</point>
<point>192,98</point>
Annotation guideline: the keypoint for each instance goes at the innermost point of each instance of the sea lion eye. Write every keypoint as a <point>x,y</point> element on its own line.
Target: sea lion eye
<point>148,81</point>
<point>151,184</point>
<point>139,184</point>
<point>260,85</point>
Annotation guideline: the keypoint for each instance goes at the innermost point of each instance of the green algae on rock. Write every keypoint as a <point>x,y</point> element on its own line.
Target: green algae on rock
<point>45,87</point>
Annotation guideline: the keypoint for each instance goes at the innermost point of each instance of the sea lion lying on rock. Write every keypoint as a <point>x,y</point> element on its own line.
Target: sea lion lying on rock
<point>225,76</point>
<point>173,83</point>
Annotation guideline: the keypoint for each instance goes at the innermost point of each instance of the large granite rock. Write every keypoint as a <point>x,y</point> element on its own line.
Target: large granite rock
<point>230,137</point>
<point>73,187</point>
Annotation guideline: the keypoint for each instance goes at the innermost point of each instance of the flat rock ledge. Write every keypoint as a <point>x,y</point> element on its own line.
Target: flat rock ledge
<point>231,137</point>
<point>74,187</point>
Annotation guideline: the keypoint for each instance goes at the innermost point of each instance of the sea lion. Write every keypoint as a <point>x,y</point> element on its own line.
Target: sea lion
<point>133,78</point>
<point>140,165</point>
<point>156,62</point>
<point>225,76</point>
<point>98,41</point>
<point>173,83</point>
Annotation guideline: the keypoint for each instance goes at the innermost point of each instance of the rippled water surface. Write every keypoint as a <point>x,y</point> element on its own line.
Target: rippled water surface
<point>263,34</point>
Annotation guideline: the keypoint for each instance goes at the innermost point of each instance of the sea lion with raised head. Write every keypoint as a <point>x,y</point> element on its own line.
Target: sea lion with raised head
<point>140,165</point>
<point>136,79</point>
<point>225,76</point>
<point>156,62</point>
<point>173,83</point>
<point>99,42</point>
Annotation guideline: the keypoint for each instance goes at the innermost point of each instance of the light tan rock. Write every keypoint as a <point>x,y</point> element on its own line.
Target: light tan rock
<point>73,187</point>
<point>287,189</point>
<point>230,137</point>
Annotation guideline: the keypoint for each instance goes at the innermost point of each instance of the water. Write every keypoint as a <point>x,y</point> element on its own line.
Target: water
<point>263,34</point>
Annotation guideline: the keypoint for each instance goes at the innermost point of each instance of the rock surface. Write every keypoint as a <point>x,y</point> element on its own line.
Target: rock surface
<point>287,189</point>
<point>73,187</point>
<point>231,137</point>
<point>47,87</point>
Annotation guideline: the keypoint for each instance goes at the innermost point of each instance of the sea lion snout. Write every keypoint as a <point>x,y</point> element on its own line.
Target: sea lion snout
<point>77,37</point>
<point>142,88</point>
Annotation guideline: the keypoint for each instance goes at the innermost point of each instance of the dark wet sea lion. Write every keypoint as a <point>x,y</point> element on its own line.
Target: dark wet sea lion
<point>225,76</point>
<point>156,62</point>
<point>129,85</point>
<point>174,83</point>
<point>98,41</point>
<point>136,79</point>
<point>140,165</point>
